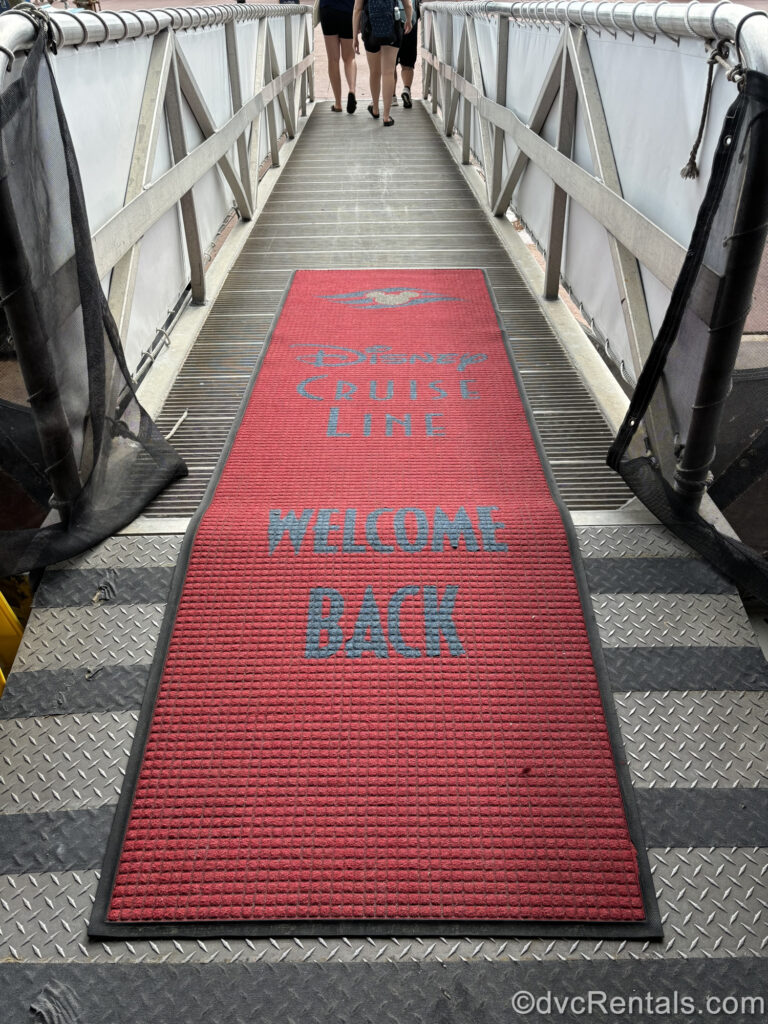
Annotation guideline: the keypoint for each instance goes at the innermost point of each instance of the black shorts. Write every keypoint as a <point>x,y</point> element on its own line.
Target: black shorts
<point>336,23</point>
<point>372,43</point>
<point>406,55</point>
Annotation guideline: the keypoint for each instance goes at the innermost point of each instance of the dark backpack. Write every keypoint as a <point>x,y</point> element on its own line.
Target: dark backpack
<point>381,18</point>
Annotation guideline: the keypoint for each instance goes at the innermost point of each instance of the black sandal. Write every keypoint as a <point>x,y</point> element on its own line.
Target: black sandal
<point>370,111</point>
<point>351,103</point>
<point>389,123</point>
<point>336,110</point>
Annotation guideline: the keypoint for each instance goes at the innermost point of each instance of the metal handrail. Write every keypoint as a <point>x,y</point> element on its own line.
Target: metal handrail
<point>77,28</point>
<point>717,21</point>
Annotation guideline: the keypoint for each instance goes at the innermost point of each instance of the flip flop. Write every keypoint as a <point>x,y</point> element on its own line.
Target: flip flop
<point>351,103</point>
<point>370,111</point>
<point>389,123</point>
<point>336,110</point>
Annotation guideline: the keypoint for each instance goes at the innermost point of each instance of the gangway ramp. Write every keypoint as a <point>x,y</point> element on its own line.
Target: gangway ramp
<point>690,681</point>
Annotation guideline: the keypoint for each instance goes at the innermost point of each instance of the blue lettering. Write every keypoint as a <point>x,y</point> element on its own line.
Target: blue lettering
<point>389,394</point>
<point>436,386</point>
<point>318,623</point>
<point>333,424</point>
<point>422,529</point>
<point>368,634</point>
<point>453,530</point>
<point>434,430</point>
<point>437,621</point>
<point>323,527</point>
<point>465,392</point>
<point>372,533</point>
<point>348,544</point>
<point>393,622</point>
<point>289,524</point>
<point>404,422</point>
<point>302,387</point>
<point>489,528</point>
<point>345,389</point>
<point>469,360</point>
<point>334,355</point>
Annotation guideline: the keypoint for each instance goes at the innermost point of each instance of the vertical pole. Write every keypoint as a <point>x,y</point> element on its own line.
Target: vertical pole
<point>501,99</point>
<point>187,201</point>
<point>233,67</point>
<point>565,132</point>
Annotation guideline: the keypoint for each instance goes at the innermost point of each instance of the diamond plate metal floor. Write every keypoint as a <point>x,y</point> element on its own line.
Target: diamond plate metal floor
<point>690,683</point>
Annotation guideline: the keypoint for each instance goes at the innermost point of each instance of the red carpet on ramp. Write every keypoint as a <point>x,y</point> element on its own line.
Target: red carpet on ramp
<point>379,706</point>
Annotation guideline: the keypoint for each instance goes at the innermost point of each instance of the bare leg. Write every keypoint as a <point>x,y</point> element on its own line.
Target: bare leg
<point>350,66</point>
<point>333,50</point>
<point>388,59</point>
<point>374,70</point>
<point>407,74</point>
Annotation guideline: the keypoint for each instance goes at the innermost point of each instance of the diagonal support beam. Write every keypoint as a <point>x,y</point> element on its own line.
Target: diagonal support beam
<point>625,266</point>
<point>541,108</point>
<point>122,284</point>
<point>285,107</point>
<point>540,113</point>
<point>204,118</point>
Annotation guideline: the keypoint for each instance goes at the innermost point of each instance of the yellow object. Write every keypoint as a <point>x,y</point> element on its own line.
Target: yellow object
<point>10,637</point>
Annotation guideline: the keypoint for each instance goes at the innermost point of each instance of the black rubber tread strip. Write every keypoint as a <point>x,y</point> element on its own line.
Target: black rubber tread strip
<point>686,668</point>
<point>69,691</point>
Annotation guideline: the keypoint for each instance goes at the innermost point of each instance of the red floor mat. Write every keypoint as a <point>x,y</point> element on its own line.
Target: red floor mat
<point>379,701</point>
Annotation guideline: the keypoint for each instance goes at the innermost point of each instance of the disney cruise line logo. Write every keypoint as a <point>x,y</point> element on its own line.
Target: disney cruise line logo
<point>389,298</point>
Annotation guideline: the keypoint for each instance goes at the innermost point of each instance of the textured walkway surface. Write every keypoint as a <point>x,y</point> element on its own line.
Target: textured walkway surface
<point>689,680</point>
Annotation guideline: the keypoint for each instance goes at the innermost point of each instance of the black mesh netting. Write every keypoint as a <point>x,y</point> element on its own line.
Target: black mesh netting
<point>692,356</point>
<point>79,457</point>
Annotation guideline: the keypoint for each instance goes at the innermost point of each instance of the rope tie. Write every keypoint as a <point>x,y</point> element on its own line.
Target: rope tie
<point>691,169</point>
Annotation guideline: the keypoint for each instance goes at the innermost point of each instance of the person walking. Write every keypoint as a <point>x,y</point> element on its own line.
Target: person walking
<point>406,58</point>
<point>382,24</point>
<point>336,23</point>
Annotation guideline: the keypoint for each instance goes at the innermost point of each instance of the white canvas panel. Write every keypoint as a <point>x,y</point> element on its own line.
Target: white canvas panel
<point>531,50</point>
<point>206,53</point>
<point>532,199</point>
<point>487,31</point>
<point>652,146</point>
<point>247,35</point>
<point>102,118</point>
<point>163,274</point>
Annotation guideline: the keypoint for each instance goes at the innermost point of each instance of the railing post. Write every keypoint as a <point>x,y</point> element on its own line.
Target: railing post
<point>501,99</point>
<point>565,132</point>
<point>187,201</point>
<point>236,92</point>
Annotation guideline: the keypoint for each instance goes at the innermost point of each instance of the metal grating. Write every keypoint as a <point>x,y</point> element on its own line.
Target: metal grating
<point>395,200</point>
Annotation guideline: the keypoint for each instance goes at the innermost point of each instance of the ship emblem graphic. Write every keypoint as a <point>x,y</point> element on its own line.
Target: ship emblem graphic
<point>389,298</point>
